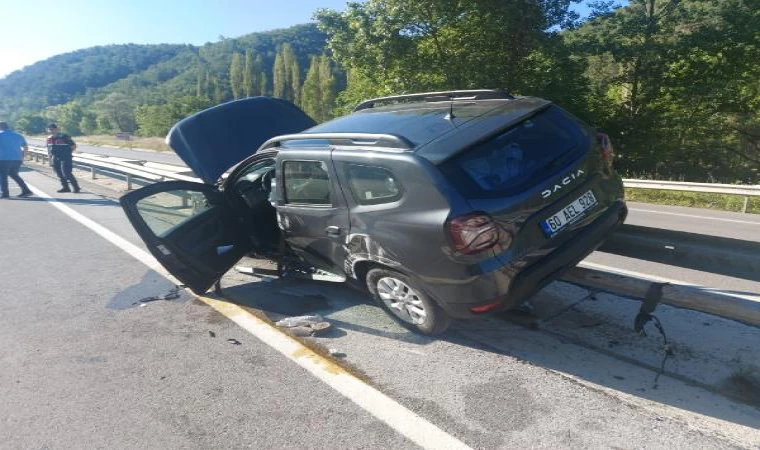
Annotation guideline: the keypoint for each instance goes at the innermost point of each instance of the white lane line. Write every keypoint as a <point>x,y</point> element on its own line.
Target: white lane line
<point>646,276</point>
<point>693,216</point>
<point>402,420</point>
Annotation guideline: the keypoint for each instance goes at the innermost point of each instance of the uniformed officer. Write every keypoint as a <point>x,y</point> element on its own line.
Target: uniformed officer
<point>60,148</point>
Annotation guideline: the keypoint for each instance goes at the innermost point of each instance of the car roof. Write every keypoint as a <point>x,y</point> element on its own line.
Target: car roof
<point>435,130</point>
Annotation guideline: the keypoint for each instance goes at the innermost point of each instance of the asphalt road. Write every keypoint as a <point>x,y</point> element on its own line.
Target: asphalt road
<point>84,365</point>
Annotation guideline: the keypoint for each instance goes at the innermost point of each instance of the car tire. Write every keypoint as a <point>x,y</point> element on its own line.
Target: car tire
<point>403,300</point>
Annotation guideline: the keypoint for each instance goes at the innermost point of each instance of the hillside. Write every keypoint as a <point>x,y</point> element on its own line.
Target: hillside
<point>79,82</point>
<point>65,77</point>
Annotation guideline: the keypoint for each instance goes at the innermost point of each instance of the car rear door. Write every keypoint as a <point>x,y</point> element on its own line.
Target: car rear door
<point>311,208</point>
<point>190,229</point>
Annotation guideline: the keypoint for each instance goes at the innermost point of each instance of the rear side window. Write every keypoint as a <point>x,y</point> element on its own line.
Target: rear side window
<point>534,148</point>
<point>372,185</point>
<point>306,183</point>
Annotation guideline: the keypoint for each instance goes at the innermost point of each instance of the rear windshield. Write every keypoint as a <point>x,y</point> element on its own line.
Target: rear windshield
<point>519,157</point>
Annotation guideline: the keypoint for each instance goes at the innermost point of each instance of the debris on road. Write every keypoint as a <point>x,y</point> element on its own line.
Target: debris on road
<point>303,326</point>
<point>173,294</point>
<point>264,275</point>
<point>211,334</point>
<point>299,321</point>
<point>234,341</point>
<point>336,353</point>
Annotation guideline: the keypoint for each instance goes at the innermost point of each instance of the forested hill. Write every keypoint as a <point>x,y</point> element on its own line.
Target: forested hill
<point>64,77</point>
<point>84,89</point>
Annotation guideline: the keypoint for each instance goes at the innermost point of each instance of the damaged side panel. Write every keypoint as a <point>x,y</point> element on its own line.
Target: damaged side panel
<point>361,248</point>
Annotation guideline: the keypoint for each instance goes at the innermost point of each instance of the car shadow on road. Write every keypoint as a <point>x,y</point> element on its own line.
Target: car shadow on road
<point>592,342</point>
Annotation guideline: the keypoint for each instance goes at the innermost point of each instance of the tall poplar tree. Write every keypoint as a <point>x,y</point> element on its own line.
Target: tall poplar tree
<point>279,76</point>
<point>237,75</point>
<point>250,86</point>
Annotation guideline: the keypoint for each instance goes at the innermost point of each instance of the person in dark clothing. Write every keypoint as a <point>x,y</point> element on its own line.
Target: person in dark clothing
<point>11,156</point>
<point>60,148</point>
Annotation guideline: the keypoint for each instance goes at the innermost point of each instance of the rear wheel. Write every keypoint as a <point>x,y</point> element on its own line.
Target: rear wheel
<point>399,295</point>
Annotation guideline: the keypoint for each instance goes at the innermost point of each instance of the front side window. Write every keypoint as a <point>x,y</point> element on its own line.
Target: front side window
<point>164,211</point>
<point>371,185</point>
<point>306,183</point>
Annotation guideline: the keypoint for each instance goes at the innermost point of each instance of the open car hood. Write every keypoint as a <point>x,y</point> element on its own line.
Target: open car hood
<point>215,139</point>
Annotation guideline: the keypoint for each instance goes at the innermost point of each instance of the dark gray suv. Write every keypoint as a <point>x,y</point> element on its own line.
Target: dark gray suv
<point>443,205</point>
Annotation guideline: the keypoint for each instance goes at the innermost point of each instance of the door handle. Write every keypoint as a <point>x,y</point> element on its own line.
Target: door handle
<point>332,231</point>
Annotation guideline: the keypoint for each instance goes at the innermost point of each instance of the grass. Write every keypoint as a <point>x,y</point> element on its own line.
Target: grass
<point>723,202</point>
<point>148,143</point>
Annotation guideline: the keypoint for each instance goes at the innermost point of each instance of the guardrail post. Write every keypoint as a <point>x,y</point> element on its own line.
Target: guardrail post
<point>129,182</point>
<point>93,171</point>
<point>746,203</point>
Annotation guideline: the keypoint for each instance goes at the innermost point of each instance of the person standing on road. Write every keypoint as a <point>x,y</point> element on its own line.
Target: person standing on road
<point>11,156</point>
<point>60,148</point>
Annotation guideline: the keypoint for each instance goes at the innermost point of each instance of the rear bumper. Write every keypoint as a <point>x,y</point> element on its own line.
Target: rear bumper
<point>509,286</point>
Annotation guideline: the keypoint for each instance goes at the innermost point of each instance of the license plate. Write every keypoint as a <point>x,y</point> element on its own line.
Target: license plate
<point>569,214</point>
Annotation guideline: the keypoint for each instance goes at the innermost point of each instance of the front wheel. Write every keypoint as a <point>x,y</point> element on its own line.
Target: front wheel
<point>405,302</point>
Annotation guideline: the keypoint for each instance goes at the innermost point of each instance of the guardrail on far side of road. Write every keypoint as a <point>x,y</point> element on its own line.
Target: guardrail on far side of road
<point>710,188</point>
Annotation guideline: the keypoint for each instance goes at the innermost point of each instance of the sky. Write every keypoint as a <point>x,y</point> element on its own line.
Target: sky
<point>33,30</point>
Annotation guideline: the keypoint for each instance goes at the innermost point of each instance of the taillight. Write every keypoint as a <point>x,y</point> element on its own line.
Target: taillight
<point>605,145</point>
<point>473,233</point>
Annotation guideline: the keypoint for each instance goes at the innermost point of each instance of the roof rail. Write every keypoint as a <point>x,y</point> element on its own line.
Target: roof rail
<point>368,139</point>
<point>476,94</point>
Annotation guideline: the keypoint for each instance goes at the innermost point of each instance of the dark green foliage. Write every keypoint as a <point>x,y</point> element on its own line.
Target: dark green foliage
<point>31,124</point>
<point>673,82</point>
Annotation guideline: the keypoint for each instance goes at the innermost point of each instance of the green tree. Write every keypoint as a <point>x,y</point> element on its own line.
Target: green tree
<point>67,117</point>
<point>293,74</point>
<point>250,83</point>
<point>264,84</point>
<point>31,124</point>
<point>156,120</point>
<point>675,83</point>
<point>237,76</point>
<point>119,110</point>
<point>89,123</point>
<point>397,46</point>
<point>318,94</point>
<point>280,77</point>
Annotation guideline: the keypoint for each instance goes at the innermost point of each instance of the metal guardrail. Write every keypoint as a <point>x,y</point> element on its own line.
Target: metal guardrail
<point>152,171</point>
<point>125,168</point>
<point>746,191</point>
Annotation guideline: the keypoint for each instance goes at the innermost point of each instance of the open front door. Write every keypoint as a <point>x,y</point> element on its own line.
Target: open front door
<point>189,228</point>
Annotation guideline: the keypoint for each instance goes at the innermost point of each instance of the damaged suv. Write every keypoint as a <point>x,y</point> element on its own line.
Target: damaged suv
<point>442,205</point>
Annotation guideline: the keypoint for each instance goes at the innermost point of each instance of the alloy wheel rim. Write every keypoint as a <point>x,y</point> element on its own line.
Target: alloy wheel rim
<point>402,300</point>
